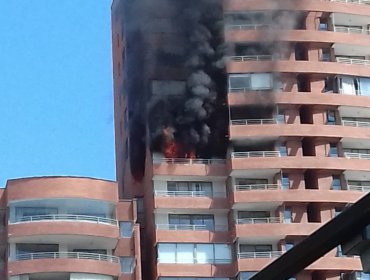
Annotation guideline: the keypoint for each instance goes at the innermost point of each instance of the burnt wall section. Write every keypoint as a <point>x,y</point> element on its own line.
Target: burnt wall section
<point>174,79</point>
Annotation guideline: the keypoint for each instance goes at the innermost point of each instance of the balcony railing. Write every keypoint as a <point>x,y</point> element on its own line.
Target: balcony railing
<point>257,255</point>
<point>65,217</point>
<point>357,156</point>
<point>354,92</point>
<point>189,194</point>
<point>365,2</point>
<point>189,161</point>
<point>191,227</point>
<point>248,26</point>
<point>249,89</point>
<point>355,123</point>
<point>353,30</point>
<point>255,154</point>
<point>67,255</point>
<point>257,187</point>
<point>253,121</point>
<point>358,188</point>
<point>354,61</point>
<point>267,220</point>
<point>241,58</point>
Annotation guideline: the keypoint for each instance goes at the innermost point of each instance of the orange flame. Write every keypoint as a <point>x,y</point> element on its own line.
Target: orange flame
<point>173,149</point>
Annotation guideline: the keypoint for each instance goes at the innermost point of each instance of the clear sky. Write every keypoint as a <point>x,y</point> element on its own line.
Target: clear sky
<point>56,111</point>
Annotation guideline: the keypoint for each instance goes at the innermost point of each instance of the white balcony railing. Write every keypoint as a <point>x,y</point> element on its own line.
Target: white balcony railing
<point>255,154</point>
<point>241,58</point>
<point>189,260</point>
<point>257,187</point>
<point>248,26</point>
<point>249,89</point>
<point>189,194</point>
<point>365,2</point>
<point>257,255</point>
<point>358,188</point>
<point>267,220</point>
<point>191,227</point>
<point>65,217</point>
<point>189,161</point>
<point>67,255</point>
<point>353,30</point>
<point>357,156</point>
<point>253,121</point>
<point>355,123</point>
<point>354,61</point>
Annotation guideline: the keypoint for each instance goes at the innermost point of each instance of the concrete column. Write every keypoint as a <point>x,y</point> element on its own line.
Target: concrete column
<point>297,181</point>
<point>292,116</point>
<point>294,148</point>
<point>299,214</point>
<point>324,182</point>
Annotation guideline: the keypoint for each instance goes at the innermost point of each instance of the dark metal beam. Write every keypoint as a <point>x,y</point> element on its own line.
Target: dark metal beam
<point>337,231</point>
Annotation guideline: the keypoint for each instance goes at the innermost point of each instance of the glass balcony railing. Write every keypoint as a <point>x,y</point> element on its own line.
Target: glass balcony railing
<point>191,227</point>
<point>253,121</point>
<point>265,220</point>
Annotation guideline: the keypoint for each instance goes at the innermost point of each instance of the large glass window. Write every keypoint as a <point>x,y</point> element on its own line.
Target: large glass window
<point>25,248</point>
<point>197,188</point>
<point>127,264</point>
<point>333,151</point>
<point>287,215</point>
<point>125,229</point>
<point>284,181</point>
<point>335,183</point>
<point>194,253</point>
<point>254,81</point>
<point>198,221</point>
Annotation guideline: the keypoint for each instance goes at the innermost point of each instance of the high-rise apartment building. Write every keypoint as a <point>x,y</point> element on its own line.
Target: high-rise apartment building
<point>241,127</point>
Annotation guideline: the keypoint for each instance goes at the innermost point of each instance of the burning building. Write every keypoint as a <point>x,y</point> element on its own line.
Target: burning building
<point>241,127</point>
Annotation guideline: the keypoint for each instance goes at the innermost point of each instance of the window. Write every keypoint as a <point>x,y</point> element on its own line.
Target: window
<point>198,221</point>
<point>190,188</point>
<point>289,245</point>
<point>280,117</point>
<point>284,181</point>
<point>125,229</point>
<point>261,248</point>
<point>339,251</point>
<point>283,151</point>
<point>330,117</point>
<point>127,264</point>
<point>246,275</point>
<point>287,215</point>
<point>323,25</point>
<point>333,150</point>
<point>255,81</point>
<point>25,248</point>
<point>168,87</point>
<point>335,183</point>
<point>325,55</point>
<point>193,253</point>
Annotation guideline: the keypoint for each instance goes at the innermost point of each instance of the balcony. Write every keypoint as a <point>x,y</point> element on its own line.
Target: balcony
<point>189,194</point>
<point>248,26</point>
<point>358,188</point>
<point>355,123</point>
<point>64,217</point>
<point>356,156</point>
<point>190,199</point>
<point>189,161</point>
<point>191,227</point>
<point>257,187</point>
<point>68,262</point>
<point>265,220</point>
<point>253,122</point>
<point>256,154</point>
<point>353,61</point>
<point>67,255</point>
<point>260,255</point>
<point>188,167</point>
<point>241,58</point>
<point>361,2</point>
<point>351,30</point>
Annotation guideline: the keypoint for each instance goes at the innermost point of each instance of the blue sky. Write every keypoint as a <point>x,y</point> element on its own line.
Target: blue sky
<point>56,111</point>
